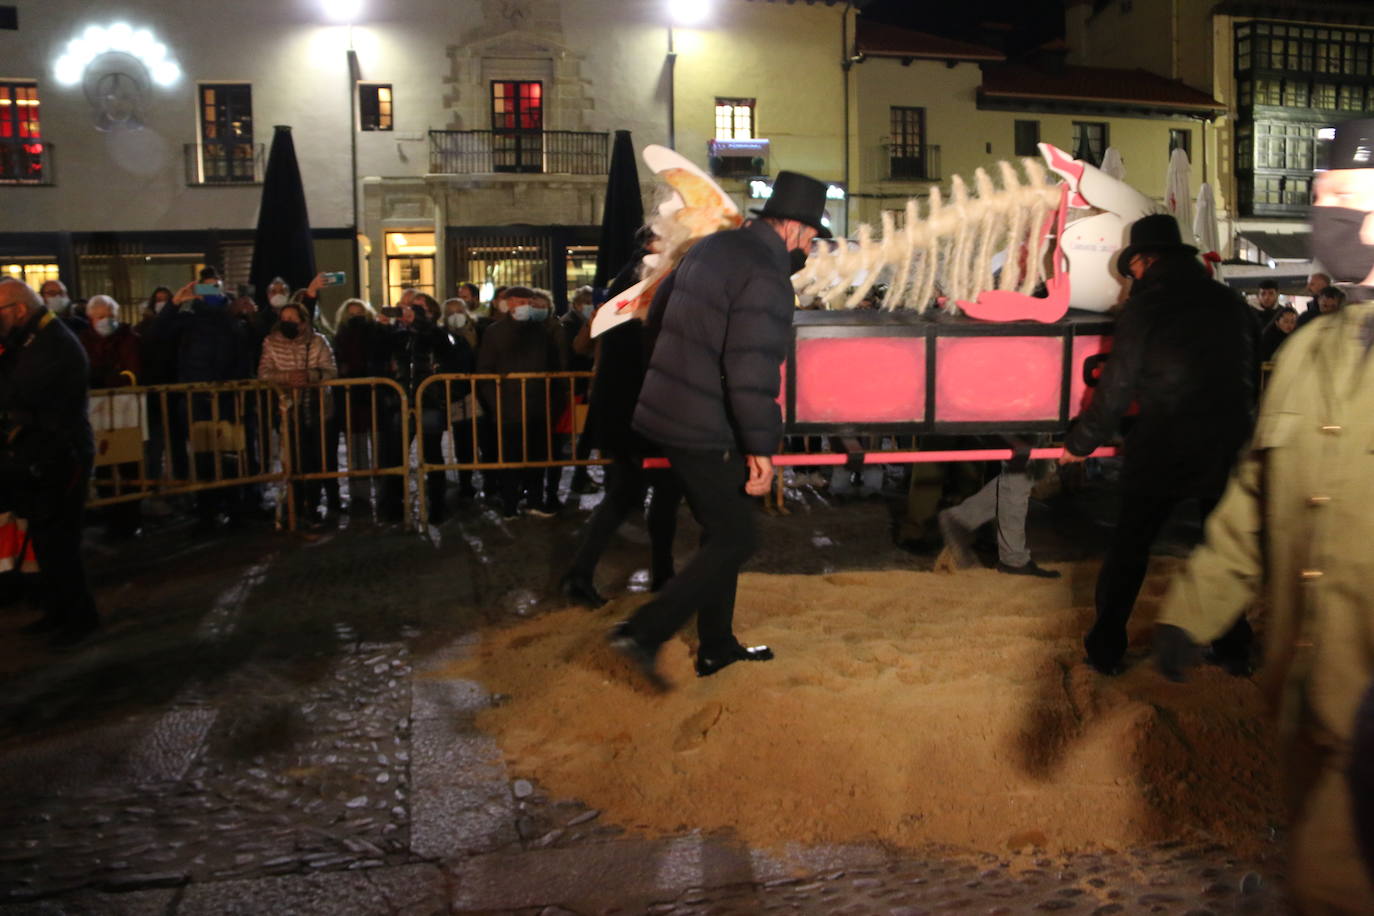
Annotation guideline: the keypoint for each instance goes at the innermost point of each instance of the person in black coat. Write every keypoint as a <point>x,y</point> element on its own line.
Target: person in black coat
<point>710,401</point>
<point>1183,349</point>
<point>48,453</point>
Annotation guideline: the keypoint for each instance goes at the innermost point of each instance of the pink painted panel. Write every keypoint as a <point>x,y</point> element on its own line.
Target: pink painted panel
<point>1083,347</point>
<point>861,379</point>
<point>987,379</point>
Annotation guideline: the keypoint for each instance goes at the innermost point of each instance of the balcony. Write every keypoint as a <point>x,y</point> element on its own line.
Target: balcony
<point>535,152</point>
<point>27,162</point>
<point>224,164</point>
<point>901,162</point>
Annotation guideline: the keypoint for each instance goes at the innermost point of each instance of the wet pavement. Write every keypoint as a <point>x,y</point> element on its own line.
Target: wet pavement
<point>252,733</point>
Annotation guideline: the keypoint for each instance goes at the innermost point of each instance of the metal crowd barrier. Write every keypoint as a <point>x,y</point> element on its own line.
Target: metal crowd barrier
<point>174,439</point>
<point>500,422</point>
<point>372,418</point>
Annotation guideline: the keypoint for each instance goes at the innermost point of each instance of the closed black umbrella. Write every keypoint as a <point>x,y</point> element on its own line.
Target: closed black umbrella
<point>282,246</point>
<point>624,212</point>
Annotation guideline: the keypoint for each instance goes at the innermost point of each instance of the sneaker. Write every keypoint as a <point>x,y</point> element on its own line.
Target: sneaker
<point>1030,569</point>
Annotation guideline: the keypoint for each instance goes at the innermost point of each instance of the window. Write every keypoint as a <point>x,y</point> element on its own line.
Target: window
<point>1089,141</point>
<point>23,158</point>
<point>34,273</point>
<point>374,106</point>
<point>1181,139</point>
<point>907,152</point>
<point>734,119</point>
<point>1027,138</point>
<point>409,263</point>
<point>227,154</point>
<point>517,124</point>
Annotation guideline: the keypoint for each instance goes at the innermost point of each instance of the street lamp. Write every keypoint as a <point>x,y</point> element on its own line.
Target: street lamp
<point>685,13</point>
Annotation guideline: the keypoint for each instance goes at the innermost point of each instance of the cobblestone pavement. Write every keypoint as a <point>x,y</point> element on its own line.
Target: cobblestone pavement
<point>247,735</point>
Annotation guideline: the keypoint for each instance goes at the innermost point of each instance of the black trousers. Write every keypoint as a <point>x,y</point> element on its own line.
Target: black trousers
<point>626,482</point>
<point>1147,501</point>
<point>713,482</point>
<point>55,533</point>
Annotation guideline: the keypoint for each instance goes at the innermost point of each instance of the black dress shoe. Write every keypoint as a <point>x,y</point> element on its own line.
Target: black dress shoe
<point>709,664</point>
<point>42,626</point>
<point>658,581</point>
<point>644,659</point>
<point>1030,569</point>
<point>580,589</point>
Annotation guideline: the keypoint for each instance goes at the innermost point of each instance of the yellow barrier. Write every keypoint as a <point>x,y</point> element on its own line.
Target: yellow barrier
<point>207,437</point>
<point>500,422</point>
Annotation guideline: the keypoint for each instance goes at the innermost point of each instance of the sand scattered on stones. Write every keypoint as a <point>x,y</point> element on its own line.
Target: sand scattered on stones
<point>907,708</point>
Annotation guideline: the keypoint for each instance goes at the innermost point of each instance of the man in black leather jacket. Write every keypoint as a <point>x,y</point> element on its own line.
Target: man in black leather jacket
<point>1183,350</point>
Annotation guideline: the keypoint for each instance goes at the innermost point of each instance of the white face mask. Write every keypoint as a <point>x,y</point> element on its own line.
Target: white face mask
<point>56,303</point>
<point>588,311</point>
<point>502,306</point>
<point>158,305</point>
<point>456,321</point>
<point>106,326</point>
<point>278,300</point>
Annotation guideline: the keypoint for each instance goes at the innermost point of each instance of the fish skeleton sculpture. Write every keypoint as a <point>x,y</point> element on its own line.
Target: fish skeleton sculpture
<point>984,250</point>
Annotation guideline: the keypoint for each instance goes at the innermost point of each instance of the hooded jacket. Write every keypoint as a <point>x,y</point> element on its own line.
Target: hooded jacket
<point>719,340</point>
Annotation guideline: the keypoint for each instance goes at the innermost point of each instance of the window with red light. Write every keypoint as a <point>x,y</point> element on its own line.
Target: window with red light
<point>517,105</point>
<point>22,152</point>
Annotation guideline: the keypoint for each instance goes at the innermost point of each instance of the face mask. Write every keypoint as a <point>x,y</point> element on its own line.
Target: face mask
<point>278,300</point>
<point>158,304</point>
<point>588,311</point>
<point>357,321</point>
<point>530,313</point>
<point>290,330</point>
<point>56,303</point>
<point>106,326</point>
<point>456,321</point>
<point>796,259</point>
<point>1336,243</point>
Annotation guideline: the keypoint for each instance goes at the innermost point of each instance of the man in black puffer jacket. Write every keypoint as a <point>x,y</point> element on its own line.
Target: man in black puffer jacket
<point>709,400</point>
<point>1183,349</point>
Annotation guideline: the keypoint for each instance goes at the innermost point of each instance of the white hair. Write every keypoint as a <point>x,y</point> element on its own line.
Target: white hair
<point>104,300</point>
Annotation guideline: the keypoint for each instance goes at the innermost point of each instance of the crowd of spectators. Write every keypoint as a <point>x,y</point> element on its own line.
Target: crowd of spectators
<point>204,333</point>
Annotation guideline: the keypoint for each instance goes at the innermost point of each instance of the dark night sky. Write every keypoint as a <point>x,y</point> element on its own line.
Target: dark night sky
<point>1032,22</point>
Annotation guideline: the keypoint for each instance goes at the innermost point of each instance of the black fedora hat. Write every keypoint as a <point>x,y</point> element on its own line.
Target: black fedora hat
<point>798,197</point>
<point>1157,232</point>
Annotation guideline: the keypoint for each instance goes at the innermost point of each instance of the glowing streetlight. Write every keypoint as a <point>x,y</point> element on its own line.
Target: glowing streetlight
<point>122,38</point>
<point>346,11</point>
<point>688,12</point>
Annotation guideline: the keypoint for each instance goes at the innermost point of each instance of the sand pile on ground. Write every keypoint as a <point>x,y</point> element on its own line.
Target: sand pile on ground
<point>903,707</point>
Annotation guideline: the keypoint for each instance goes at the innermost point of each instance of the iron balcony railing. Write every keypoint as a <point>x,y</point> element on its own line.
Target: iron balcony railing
<point>227,163</point>
<point>910,162</point>
<point>538,152</point>
<point>27,162</point>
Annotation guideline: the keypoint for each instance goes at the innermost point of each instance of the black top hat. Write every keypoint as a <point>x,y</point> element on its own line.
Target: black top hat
<point>1352,147</point>
<point>799,197</point>
<point>1158,233</point>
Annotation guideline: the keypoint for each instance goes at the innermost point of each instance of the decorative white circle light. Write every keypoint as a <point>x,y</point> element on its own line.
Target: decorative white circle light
<point>96,40</point>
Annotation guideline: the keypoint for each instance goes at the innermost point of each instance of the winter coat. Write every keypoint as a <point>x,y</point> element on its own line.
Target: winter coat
<point>111,357</point>
<point>715,372</point>
<point>1183,349</point>
<point>43,375</point>
<point>157,351</point>
<point>421,350</point>
<point>309,353</point>
<point>1295,525</point>
<point>522,346</point>
<point>209,343</point>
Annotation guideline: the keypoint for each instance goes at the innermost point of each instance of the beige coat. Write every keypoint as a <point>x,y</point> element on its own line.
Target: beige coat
<point>1296,521</point>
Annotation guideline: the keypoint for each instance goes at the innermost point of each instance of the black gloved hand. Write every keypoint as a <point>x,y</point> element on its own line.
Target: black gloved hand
<point>1175,652</point>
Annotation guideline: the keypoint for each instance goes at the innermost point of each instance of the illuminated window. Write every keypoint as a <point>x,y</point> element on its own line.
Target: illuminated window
<point>23,158</point>
<point>35,274</point>
<point>409,263</point>
<point>735,119</point>
<point>374,106</point>
<point>226,133</point>
<point>517,124</point>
